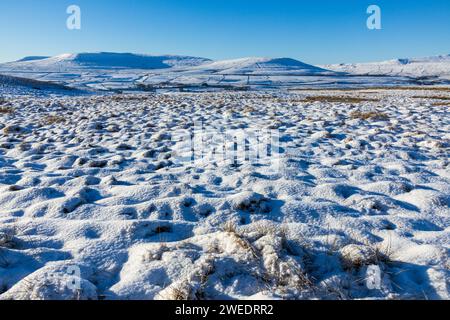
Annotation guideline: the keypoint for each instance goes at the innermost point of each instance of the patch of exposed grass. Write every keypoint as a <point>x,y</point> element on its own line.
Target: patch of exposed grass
<point>441,104</point>
<point>432,97</point>
<point>179,295</point>
<point>13,129</point>
<point>238,238</point>
<point>369,115</point>
<point>409,88</point>
<point>444,89</point>
<point>6,110</point>
<point>48,120</point>
<point>338,99</point>
<point>126,97</point>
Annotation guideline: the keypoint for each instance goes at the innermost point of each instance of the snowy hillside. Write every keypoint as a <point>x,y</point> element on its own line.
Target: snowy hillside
<point>32,58</point>
<point>122,71</point>
<point>15,85</point>
<point>261,66</point>
<point>104,60</point>
<point>437,66</point>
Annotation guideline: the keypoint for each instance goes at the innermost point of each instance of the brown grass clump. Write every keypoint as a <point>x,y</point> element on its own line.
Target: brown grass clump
<point>444,89</point>
<point>6,110</point>
<point>432,97</point>
<point>369,115</point>
<point>241,241</point>
<point>48,120</point>
<point>338,99</point>
<point>179,295</point>
<point>229,226</point>
<point>125,97</point>
<point>13,129</point>
<point>423,88</point>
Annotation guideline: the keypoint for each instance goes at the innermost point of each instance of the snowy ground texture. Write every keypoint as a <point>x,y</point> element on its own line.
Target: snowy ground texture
<point>87,185</point>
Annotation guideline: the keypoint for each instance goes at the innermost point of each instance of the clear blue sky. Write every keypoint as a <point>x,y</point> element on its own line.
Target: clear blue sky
<point>320,31</point>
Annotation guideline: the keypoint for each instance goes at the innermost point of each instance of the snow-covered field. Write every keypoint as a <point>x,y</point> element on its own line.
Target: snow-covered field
<point>93,204</point>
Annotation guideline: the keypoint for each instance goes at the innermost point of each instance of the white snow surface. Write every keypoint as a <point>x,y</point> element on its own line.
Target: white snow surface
<point>89,182</point>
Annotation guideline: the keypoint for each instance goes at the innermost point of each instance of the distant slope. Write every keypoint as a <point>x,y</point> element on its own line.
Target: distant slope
<point>260,66</point>
<point>10,84</point>
<point>103,60</point>
<point>438,66</point>
<point>32,58</point>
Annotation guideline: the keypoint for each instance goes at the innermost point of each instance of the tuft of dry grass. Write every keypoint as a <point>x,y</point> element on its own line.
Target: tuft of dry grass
<point>373,254</point>
<point>13,129</point>
<point>6,110</point>
<point>338,99</point>
<point>240,240</point>
<point>229,226</point>
<point>178,295</point>
<point>440,104</point>
<point>369,115</point>
<point>48,120</point>
<point>7,239</point>
<point>180,292</point>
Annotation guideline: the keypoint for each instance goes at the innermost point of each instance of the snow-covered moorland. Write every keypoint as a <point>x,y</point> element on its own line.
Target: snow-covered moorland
<point>93,205</point>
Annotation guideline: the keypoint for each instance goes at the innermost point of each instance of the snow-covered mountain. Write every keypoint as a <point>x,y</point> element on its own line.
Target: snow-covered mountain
<point>124,71</point>
<point>259,66</point>
<point>104,60</point>
<point>437,66</point>
<point>107,60</point>
<point>108,71</point>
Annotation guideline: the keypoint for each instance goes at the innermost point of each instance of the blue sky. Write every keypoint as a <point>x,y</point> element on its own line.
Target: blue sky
<point>320,31</point>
